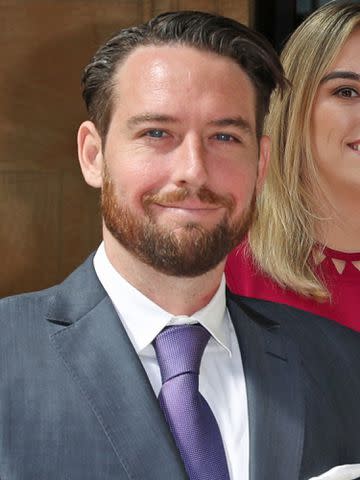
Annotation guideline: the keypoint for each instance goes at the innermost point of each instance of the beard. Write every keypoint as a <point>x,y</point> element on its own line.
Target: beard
<point>191,252</point>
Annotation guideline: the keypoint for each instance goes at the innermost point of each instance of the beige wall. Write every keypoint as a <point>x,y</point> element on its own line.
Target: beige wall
<point>49,217</point>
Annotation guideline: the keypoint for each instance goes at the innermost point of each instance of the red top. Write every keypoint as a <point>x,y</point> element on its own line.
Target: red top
<point>245,279</point>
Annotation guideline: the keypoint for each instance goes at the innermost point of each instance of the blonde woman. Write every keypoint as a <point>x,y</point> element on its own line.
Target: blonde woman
<point>304,246</point>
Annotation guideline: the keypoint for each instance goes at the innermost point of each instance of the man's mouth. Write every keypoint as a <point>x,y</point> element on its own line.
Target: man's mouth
<point>189,206</point>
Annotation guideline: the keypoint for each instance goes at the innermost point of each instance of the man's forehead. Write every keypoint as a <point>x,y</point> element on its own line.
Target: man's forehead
<point>145,55</point>
<point>157,78</point>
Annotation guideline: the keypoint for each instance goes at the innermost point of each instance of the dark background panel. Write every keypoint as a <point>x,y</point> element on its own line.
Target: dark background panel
<point>277,19</point>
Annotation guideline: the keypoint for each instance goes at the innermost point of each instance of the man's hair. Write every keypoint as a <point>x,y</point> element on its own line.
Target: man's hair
<point>204,31</point>
<point>283,237</point>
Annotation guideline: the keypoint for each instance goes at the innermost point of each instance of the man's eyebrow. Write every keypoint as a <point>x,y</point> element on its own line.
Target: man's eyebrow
<point>346,75</point>
<point>238,122</point>
<point>149,117</point>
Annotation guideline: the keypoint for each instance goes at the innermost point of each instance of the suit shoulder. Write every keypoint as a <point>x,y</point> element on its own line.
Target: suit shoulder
<point>42,299</point>
<point>270,309</point>
<point>326,349</point>
<point>25,304</point>
<point>294,319</point>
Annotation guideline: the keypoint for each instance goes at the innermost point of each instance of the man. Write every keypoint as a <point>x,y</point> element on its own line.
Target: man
<point>174,142</point>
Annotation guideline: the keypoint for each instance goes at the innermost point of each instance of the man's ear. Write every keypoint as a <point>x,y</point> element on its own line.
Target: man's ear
<point>264,159</point>
<point>90,154</point>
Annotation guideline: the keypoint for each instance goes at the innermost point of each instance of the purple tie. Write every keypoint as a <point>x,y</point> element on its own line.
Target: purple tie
<point>179,350</point>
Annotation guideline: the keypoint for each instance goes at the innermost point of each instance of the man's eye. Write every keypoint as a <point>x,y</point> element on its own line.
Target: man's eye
<point>346,92</point>
<point>225,137</point>
<point>156,133</point>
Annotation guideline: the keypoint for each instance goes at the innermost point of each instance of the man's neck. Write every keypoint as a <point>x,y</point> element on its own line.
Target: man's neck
<point>176,295</point>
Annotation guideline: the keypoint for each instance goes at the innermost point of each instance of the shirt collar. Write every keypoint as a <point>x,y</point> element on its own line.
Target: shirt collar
<point>143,319</point>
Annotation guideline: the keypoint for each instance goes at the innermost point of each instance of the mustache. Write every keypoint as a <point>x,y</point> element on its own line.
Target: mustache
<point>204,194</point>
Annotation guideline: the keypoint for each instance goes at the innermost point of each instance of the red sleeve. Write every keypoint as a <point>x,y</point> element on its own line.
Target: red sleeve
<point>243,277</point>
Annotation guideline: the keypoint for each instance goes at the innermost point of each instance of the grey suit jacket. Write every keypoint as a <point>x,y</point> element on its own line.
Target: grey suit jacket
<point>76,404</point>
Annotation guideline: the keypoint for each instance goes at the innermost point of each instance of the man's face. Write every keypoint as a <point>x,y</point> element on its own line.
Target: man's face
<point>181,160</point>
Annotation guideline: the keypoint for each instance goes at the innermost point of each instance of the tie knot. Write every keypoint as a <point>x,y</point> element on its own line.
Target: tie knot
<point>179,349</point>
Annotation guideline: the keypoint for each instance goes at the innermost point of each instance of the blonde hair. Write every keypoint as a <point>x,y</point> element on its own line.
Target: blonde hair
<point>282,238</point>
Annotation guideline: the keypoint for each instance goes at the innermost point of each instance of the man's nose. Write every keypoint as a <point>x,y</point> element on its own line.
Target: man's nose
<point>190,163</point>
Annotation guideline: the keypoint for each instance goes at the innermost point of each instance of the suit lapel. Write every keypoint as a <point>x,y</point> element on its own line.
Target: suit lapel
<point>95,348</point>
<point>275,397</point>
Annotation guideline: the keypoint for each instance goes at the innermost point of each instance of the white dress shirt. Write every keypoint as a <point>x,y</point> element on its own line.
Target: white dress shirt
<point>221,379</point>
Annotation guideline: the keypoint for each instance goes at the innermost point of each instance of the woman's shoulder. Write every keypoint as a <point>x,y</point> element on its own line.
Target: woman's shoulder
<point>243,276</point>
